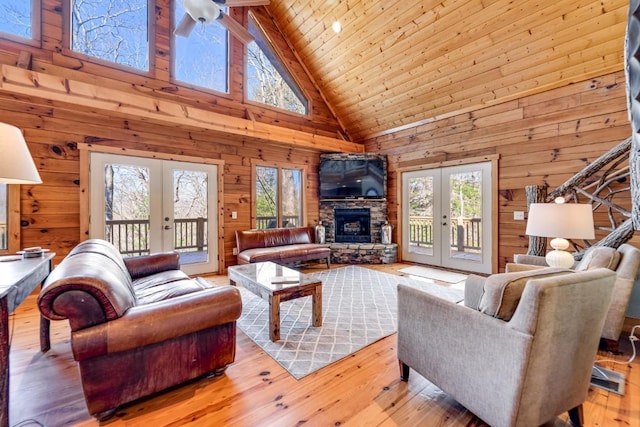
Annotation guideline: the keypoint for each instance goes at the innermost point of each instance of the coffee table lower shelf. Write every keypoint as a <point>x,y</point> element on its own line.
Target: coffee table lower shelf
<point>275,284</point>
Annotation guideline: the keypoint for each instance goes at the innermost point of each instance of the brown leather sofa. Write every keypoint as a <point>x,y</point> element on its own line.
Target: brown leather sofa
<point>139,325</point>
<point>280,245</point>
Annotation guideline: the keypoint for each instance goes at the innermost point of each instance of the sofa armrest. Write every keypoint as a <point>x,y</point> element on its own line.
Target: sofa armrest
<point>157,322</point>
<point>513,267</point>
<point>530,260</point>
<point>146,265</point>
<point>473,289</point>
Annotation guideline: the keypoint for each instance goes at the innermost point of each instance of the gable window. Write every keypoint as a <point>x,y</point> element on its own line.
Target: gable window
<point>20,20</point>
<point>268,80</point>
<point>202,58</point>
<point>112,31</point>
<point>278,196</point>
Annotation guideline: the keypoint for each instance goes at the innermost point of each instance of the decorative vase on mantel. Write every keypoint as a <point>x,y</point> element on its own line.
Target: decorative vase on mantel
<point>387,229</point>
<point>320,233</point>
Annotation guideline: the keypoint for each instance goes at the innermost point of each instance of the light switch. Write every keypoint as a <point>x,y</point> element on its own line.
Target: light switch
<point>518,215</point>
<point>234,215</point>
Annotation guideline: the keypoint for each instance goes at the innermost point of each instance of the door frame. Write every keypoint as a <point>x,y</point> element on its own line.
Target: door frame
<point>85,151</point>
<point>448,163</point>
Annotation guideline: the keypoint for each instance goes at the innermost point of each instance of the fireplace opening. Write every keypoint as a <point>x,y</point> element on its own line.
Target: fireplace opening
<point>353,225</point>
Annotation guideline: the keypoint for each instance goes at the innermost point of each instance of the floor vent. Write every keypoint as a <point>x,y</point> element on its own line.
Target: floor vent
<point>607,379</point>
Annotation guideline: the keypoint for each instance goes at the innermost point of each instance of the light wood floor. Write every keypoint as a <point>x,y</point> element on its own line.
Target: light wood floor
<point>361,390</point>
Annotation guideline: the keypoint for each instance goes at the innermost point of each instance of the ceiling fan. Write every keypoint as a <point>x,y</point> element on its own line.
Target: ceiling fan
<point>205,11</point>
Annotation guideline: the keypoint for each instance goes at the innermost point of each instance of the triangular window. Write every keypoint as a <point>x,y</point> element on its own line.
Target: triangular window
<point>268,80</point>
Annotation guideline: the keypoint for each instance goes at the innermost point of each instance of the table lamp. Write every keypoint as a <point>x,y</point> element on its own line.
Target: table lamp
<point>16,163</point>
<point>560,221</point>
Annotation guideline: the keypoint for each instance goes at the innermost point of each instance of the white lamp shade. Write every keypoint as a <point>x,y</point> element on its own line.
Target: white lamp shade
<point>16,163</point>
<point>566,220</point>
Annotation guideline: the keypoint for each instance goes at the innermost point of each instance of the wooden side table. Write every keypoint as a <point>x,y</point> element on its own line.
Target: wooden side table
<point>18,278</point>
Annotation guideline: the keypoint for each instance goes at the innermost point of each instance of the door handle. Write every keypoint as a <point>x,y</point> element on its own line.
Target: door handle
<point>444,223</point>
<point>167,227</point>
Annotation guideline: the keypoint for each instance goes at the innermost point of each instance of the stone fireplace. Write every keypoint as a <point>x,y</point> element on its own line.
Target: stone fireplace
<point>352,225</point>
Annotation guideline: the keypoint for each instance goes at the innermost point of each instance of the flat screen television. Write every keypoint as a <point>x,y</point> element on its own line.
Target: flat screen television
<point>352,178</point>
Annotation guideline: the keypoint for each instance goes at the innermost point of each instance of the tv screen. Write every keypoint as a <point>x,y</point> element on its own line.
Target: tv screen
<point>352,178</point>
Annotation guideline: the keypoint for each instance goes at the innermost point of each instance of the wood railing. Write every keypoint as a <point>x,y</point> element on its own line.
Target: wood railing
<point>4,244</point>
<point>465,233</point>
<point>131,236</point>
<point>263,222</point>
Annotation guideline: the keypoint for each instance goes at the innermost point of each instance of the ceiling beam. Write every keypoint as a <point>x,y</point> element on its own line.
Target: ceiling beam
<point>102,99</point>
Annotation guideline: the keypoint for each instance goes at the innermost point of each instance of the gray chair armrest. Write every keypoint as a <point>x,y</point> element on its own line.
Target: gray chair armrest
<point>530,259</point>
<point>473,289</point>
<point>512,267</point>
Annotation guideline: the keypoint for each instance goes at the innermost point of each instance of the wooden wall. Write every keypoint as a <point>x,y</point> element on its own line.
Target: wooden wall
<point>541,139</point>
<point>50,212</point>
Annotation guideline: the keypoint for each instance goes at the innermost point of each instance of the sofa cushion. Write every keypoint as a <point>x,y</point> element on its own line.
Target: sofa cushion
<point>599,257</point>
<point>165,285</point>
<point>501,292</point>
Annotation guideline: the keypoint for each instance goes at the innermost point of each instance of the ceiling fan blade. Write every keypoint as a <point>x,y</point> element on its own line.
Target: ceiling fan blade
<point>235,28</point>
<point>186,25</point>
<point>239,3</point>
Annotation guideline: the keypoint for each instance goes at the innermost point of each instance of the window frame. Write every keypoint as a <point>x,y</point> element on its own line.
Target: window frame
<point>36,28</point>
<point>151,35</point>
<point>13,220</point>
<point>173,57</point>
<point>278,64</point>
<point>279,166</point>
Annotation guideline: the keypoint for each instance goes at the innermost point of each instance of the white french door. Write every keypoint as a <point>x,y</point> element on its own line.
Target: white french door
<point>145,205</point>
<point>446,217</point>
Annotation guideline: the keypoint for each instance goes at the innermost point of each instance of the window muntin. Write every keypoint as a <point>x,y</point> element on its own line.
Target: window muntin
<point>202,59</point>
<point>268,80</point>
<point>278,193</point>
<point>113,31</point>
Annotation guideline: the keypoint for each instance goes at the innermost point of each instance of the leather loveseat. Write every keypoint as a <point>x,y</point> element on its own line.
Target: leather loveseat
<point>138,325</point>
<point>280,245</point>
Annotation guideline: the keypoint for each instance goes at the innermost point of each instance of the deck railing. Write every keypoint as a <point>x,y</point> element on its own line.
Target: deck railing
<point>263,222</point>
<point>131,236</point>
<point>3,236</point>
<point>466,233</point>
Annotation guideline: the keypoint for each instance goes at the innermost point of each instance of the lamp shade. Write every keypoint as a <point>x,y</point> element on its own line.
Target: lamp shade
<point>16,163</point>
<point>566,220</point>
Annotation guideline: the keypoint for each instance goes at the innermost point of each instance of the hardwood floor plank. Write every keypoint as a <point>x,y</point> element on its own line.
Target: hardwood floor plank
<point>363,389</point>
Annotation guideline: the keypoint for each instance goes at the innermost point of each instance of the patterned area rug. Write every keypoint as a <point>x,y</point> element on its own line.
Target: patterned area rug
<point>359,308</point>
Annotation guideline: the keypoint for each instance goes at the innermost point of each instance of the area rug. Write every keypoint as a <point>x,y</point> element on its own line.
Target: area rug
<point>434,274</point>
<point>359,307</point>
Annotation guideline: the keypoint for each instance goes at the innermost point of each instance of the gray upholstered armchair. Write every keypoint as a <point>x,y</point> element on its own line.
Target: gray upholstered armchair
<point>625,261</point>
<point>520,354</point>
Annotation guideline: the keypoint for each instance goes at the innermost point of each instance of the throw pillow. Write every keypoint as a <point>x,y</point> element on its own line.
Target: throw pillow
<point>599,257</point>
<point>502,292</point>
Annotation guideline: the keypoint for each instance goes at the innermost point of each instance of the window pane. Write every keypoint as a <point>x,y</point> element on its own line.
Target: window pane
<point>266,197</point>
<point>291,198</point>
<point>15,18</point>
<point>268,80</point>
<point>114,31</point>
<point>4,217</point>
<point>202,58</point>
<point>126,192</point>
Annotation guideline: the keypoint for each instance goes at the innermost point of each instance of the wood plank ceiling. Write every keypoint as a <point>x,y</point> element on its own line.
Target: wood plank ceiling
<point>396,64</point>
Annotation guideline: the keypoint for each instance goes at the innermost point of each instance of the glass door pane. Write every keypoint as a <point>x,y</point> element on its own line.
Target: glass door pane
<point>421,204</point>
<point>291,198</point>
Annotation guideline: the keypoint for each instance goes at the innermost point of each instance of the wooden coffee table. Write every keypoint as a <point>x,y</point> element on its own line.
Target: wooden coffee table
<point>276,283</point>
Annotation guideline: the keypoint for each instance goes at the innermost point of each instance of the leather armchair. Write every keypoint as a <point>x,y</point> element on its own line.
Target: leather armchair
<point>138,325</point>
<point>521,366</point>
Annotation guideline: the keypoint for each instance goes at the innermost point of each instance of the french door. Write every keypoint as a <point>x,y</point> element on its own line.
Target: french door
<point>446,217</point>
<point>145,205</point>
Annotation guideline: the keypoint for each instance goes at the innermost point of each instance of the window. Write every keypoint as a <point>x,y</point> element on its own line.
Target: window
<point>202,58</point>
<point>268,80</point>
<point>278,196</point>
<point>9,218</point>
<point>20,20</point>
<point>112,31</point>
